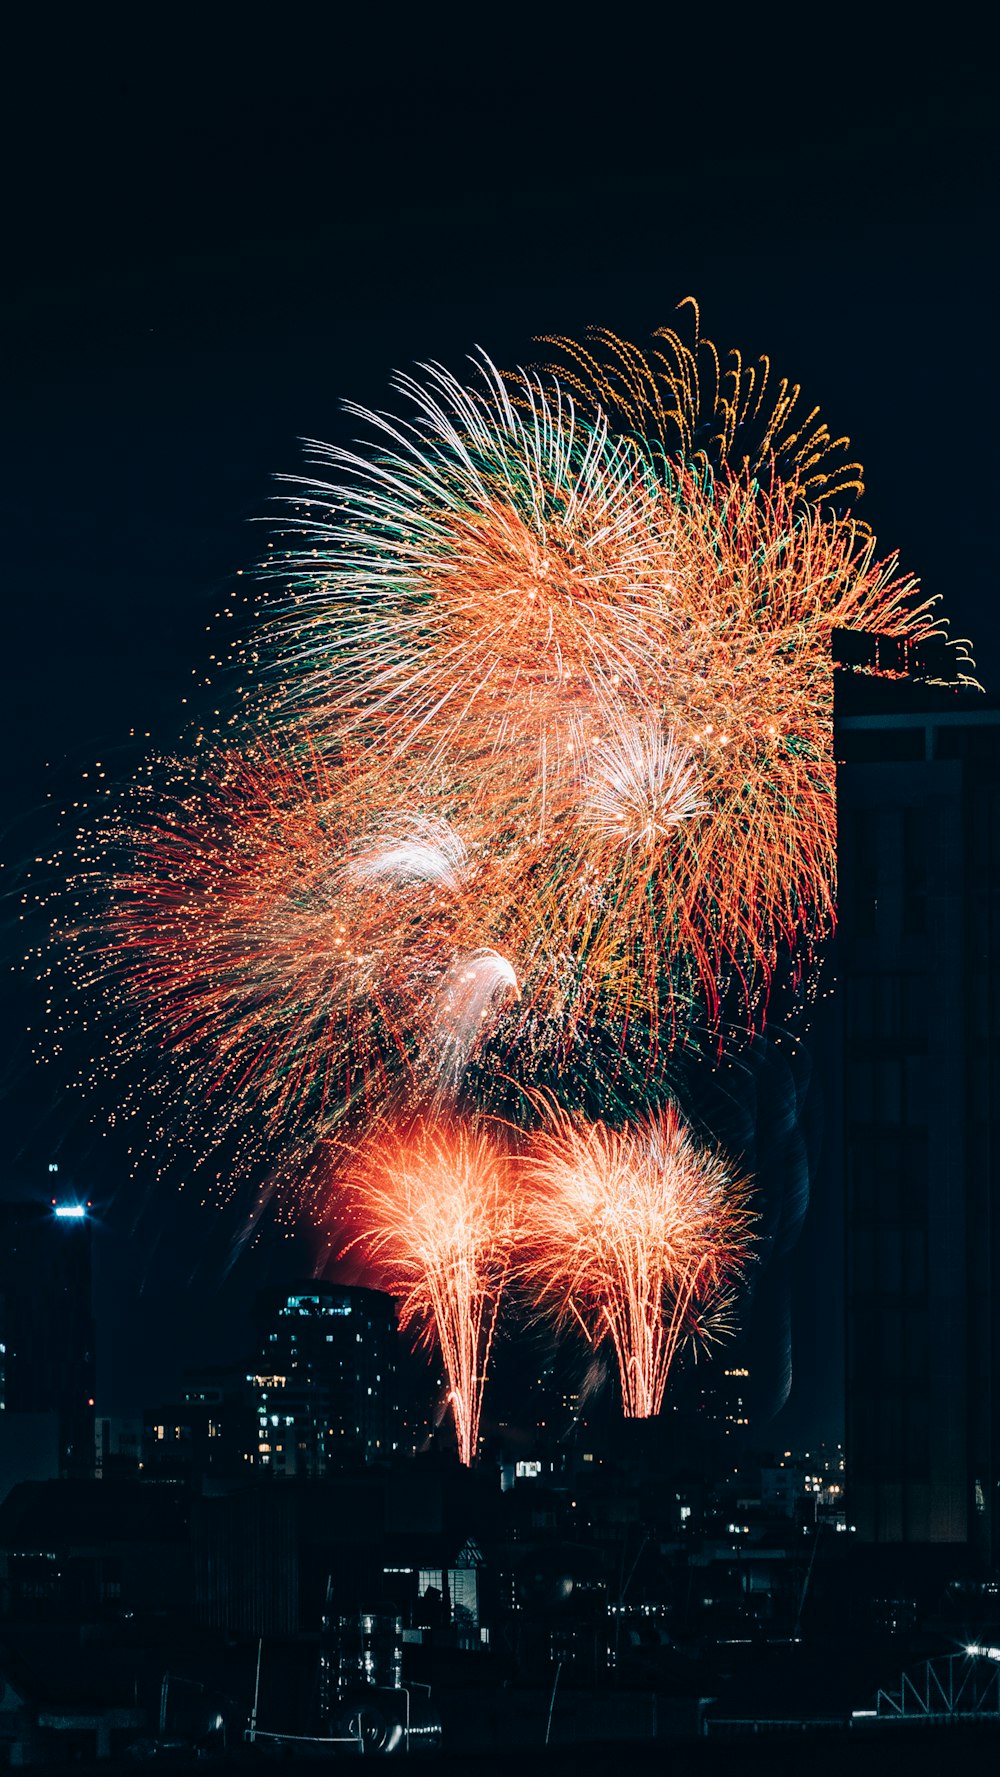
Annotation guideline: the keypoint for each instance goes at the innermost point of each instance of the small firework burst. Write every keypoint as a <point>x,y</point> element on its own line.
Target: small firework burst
<point>642,784</point>
<point>437,1217</point>
<point>637,1234</point>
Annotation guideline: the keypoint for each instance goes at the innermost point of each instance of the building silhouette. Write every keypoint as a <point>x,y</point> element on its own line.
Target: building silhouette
<point>919,971</point>
<point>324,1389</point>
<point>47,1338</point>
<point>207,1432</point>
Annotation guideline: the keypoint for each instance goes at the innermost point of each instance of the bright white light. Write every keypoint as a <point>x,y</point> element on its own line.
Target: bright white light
<point>71,1212</point>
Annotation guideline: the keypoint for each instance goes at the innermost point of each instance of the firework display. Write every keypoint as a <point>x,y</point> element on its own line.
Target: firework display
<point>605,667</point>
<point>437,1217</point>
<point>639,1235</point>
<point>564,703</point>
<point>528,788</point>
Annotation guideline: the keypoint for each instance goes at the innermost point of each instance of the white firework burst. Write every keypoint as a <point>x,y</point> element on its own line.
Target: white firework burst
<point>642,783</point>
<point>410,850</point>
<point>468,999</point>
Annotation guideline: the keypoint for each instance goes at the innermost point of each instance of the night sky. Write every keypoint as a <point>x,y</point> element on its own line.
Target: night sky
<point>217,236</point>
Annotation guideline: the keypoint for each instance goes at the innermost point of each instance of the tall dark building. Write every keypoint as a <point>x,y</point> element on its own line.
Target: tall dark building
<point>47,1340</point>
<point>919,968</point>
<point>325,1388</point>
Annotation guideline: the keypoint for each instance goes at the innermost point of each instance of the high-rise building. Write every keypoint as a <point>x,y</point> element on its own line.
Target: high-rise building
<point>325,1386</point>
<point>919,971</point>
<point>47,1340</point>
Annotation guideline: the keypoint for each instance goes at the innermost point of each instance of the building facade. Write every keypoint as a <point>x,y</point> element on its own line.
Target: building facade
<point>47,1336</point>
<point>209,1431</point>
<point>919,971</point>
<point>325,1387</point>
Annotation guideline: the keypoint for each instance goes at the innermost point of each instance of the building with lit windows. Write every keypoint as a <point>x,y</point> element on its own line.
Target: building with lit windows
<point>723,1400</point>
<point>918,962</point>
<point>324,1390</point>
<point>47,1338</point>
<point>210,1430</point>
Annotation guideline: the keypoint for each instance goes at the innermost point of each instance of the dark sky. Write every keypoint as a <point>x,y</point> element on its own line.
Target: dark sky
<point>218,233</point>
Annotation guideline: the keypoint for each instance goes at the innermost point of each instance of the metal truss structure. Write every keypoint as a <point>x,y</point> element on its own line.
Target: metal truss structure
<point>965,1684</point>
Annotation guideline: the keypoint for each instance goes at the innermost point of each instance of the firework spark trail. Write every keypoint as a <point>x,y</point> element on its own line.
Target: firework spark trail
<point>638,1234</point>
<point>439,1228</point>
<point>410,849</point>
<point>464,1000</point>
<point>680,396</point>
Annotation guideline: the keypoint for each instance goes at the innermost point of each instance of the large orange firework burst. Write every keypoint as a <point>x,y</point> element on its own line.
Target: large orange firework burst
<point>638,1234</point>
<point>605,666</point>
<point>437,1215</point>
